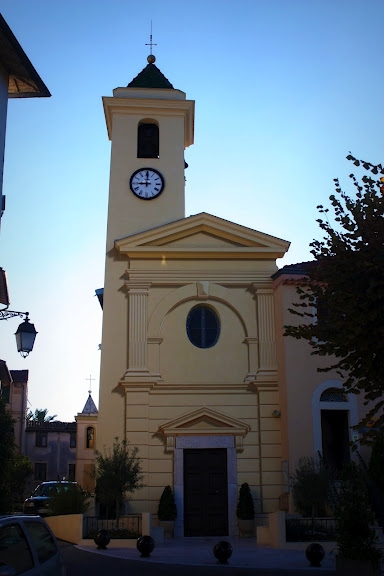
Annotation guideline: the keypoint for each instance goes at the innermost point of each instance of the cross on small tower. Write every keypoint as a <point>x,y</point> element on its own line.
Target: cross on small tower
<point>150,43</point>
<point>90,383</point>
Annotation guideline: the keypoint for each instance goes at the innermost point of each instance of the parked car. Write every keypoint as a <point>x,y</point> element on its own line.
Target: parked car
<point>28,546</point>
<point>38,502</point>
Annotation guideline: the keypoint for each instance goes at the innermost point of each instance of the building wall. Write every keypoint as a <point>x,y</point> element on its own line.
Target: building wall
<point>237,378</point>
<point>85,451</point>
<point>16,395</point>
<point>301,385</point>
<point>58,454</point>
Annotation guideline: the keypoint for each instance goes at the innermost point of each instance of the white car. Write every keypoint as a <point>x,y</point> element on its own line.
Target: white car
<point>28,547</point>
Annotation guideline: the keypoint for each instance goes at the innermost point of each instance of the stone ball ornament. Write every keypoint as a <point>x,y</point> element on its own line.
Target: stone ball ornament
<point>222,551</point>
<point>315,554</point>
<point>145,545</point>
<point>102,539</point>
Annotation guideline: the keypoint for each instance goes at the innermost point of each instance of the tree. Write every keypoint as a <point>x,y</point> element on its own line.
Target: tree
<point>311,484</point>
<point>344,291</point>
<point>40,415</point>
<point>22,469</point>
<point>14,467</point>
<point>376,462</point>
<point>355,535</point>
<point>69,499</point>
<point>117,474</point>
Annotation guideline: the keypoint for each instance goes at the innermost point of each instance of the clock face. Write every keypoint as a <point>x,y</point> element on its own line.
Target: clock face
<point>147,183</point>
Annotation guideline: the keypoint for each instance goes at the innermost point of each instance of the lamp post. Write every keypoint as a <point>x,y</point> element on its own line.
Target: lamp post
<point>25,334</point>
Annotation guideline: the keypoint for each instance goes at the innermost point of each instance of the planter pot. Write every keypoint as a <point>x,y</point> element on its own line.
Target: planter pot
<point>246,528</point>
<point>168,526</point>
<point>348,567</point>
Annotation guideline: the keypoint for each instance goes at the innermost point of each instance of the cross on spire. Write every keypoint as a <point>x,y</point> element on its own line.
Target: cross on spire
<point>150,43</point>
<point>90,383</point>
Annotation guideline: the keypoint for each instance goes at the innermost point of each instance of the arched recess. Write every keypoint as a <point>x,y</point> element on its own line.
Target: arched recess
<point>193,291</point>
<point>347,404</point>
<point>90,437</point>
<point>148,138</point>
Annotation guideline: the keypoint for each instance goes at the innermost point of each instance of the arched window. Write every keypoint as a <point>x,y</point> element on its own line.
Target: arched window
<point>147,140</point>
<point>333,395</point>
<point>203,327</point>
<point>90,439</point>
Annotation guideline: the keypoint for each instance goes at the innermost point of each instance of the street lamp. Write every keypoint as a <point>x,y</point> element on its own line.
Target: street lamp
<point>25,334</point>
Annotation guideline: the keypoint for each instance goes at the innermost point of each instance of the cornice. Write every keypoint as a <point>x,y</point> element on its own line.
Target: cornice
<point>182,277</point>
<point>186,253</point>
<point>151,107</point>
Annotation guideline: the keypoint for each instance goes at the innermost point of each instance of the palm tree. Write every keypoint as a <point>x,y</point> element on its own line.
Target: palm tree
<point>40,415</point>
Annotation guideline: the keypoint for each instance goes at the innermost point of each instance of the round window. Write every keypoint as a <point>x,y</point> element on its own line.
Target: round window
<point>203,327</point>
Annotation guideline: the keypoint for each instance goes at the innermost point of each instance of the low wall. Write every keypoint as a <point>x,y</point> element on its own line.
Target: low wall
<point>68,527</point>
<point>274,535</point>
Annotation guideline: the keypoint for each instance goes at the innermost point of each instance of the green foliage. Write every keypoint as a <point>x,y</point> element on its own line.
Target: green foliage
<point>167,506</point>
<point>310,484</point>
<point>22,469</point>
<point>69,499</point>
<point>355,535</point>
<point>40,415</point>
<point>7,450</point>
<point>117,474</point>
<point>245,509</point>
<point>14,467</point>
<point>344,290</point>
<point>376,462</point>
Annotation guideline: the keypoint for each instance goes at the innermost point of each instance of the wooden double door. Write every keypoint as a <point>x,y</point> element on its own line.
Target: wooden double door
<point>205,492</point>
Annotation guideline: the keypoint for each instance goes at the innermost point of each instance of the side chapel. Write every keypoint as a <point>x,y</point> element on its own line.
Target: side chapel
<point>194,370</point>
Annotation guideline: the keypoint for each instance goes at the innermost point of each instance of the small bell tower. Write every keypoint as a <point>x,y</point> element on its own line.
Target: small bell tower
<point>150,124</point>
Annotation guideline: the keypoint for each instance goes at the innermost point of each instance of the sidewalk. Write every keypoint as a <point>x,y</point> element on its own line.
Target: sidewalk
<point>199,552</point>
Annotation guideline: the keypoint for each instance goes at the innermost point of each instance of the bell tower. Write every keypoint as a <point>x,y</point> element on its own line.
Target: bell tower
<point>150,124</point>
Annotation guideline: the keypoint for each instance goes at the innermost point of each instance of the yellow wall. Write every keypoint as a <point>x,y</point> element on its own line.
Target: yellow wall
<point>85,456</point>
<point>156,388</point>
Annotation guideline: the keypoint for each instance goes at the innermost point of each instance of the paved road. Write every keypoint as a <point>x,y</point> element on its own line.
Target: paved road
<point>80,562</point>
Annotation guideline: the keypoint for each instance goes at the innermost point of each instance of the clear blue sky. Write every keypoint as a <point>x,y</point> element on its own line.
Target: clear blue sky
<point>284,89</point>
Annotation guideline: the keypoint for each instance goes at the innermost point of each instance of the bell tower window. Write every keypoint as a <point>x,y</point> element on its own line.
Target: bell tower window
<point>147,140</point>
<point>90,438</point>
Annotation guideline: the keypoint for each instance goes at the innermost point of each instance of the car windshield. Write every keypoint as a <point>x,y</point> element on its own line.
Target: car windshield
<point>49,490</point>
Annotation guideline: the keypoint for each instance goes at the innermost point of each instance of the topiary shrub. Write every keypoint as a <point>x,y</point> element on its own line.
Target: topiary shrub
<point>167,507</point>
<point>245,509</point>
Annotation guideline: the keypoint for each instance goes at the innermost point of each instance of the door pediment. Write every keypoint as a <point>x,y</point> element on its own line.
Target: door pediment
<point>202,236</point>
<point>203,422</point>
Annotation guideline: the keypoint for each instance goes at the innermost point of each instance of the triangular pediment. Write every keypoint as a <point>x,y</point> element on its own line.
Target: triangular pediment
<point>202,236</point>
<point>204,421</point>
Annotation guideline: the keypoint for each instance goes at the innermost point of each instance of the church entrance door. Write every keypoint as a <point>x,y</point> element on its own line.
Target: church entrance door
<point>205,492</point>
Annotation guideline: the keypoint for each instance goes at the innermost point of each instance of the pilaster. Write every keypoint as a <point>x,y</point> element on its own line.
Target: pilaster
<point>137,327</point>
<point>266,330</point>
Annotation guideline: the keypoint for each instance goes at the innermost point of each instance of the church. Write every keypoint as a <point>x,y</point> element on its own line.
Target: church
<point>195,371</point>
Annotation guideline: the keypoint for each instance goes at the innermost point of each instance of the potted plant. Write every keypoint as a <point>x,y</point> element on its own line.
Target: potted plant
<point>167,511</point>
<point>357,550</point>
<point>245,512</point>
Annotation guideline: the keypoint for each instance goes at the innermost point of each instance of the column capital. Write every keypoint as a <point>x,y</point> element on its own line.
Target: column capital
<point>137,286</point>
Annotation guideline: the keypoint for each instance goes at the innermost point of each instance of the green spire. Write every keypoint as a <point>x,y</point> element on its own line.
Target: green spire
<point>150,77</point>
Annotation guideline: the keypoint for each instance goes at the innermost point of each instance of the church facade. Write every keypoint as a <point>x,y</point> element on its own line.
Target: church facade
<point>194,368</point>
